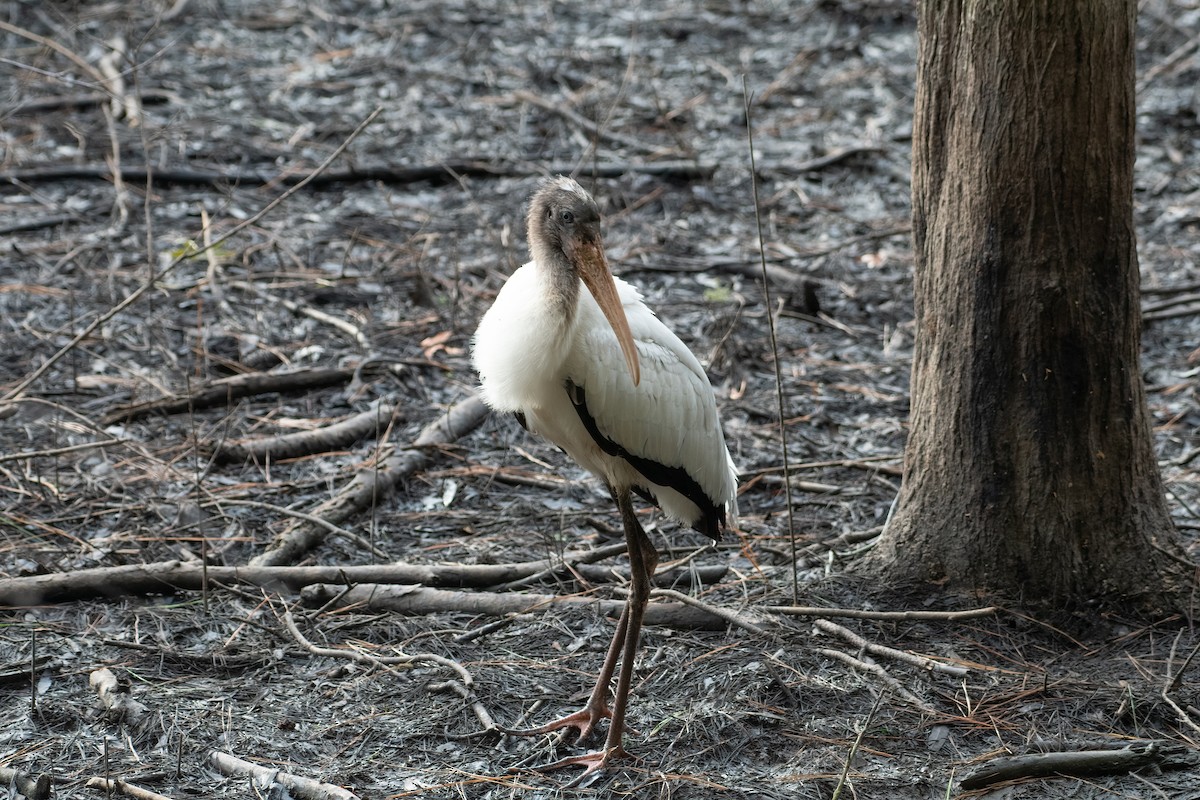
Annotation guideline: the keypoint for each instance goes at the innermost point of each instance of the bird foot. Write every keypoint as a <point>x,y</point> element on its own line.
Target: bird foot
<point>584,721</point>
<point>593,763</point>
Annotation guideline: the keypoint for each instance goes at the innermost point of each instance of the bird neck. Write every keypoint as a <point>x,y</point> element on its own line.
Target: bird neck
<point>560,282</point>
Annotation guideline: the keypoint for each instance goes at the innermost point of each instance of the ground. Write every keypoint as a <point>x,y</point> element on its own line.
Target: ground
<point>389,256</point>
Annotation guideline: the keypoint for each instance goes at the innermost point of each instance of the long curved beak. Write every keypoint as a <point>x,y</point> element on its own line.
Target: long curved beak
<point>598,278</point>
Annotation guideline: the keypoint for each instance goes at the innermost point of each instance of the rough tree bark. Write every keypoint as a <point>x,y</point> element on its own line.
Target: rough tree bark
<point>1029,469</point>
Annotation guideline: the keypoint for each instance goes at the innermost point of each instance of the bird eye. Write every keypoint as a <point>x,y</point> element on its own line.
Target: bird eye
<point>566,216</point>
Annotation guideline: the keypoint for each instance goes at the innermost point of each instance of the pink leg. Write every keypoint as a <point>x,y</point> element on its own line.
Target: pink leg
<point>585,719</point>
<point>642,559</point>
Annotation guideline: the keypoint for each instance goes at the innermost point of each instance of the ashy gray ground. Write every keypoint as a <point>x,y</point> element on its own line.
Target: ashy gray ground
<point>389,257</point>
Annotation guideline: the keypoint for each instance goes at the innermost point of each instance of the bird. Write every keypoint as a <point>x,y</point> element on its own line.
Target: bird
<point>578,358</point>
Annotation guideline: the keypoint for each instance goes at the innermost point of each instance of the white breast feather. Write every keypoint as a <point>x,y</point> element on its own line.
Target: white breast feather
<point>670,418</point>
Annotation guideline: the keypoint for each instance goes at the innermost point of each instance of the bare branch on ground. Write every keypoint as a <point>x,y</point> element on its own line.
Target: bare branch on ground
<point>224,391</point>
<point>33,788</point>
<point>373,485</point>
<point>167,576</point>
<point>265,777</point>
<point>923,662</point>
<point>1080,762</point>
<point>418,600</point>
<point>340,434</point>
<point>118,786</point>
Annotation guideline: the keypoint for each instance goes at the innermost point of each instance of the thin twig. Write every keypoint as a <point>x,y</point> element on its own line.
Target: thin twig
<point>403,660</point>
<point>787,475</point>
<point>467,694</point>
<point>923,662</point>
<point>591,128</point>
<point>58,451</point>
<point>61,49</point>
<point>857,742</point>
<point>349,328</point>
<point>879,672</point>
<point>858,613</point>
<point>729,616</point>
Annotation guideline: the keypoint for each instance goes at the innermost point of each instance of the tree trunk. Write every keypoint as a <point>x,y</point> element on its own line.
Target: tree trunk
<point>1029,469</point>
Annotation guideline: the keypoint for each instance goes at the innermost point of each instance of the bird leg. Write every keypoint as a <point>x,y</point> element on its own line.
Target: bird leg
<point>584,720</point>
<point>643,558</point>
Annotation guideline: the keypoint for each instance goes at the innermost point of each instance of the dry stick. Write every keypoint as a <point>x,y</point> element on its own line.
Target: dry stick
<point>442,172</point>
<point>1178,54</point>
<point>402,660</point>
<point>304,443</point>
<point>481,713</point>
<point>731,617</point>
<point>419,600</point>
<point>837,792</point>
<point>923,662</point>
<point>137,294</point>
<point>464,687</point>
<point>1149,308</point>
<point>169,576</point>
<point>42,105</point>
<point>123,104</point>
<point>880,673</point>
<point>554,568</point>
<point>58,451</point>
<point>1076,762</point>
<point>61,49</point>
<point>225,390</point>
<point>119,786</point>
<point>304,515</point>
<point>1173,683</point>
<point>33,788</point>
<point>857,613</point>
<point>372,485</point>
<point>264,777</point>
<point>214,264</point>
<point>1172,313</point>
<point>787,475</point>
<point>348,328</point>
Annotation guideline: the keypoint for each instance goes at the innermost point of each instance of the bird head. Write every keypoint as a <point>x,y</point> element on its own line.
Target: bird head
<point>564,233</point>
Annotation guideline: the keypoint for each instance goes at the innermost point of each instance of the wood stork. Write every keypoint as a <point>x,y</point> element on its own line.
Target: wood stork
<point>577,356</point>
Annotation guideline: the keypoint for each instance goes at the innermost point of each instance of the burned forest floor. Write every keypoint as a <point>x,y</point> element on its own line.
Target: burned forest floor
<point>251,513</point>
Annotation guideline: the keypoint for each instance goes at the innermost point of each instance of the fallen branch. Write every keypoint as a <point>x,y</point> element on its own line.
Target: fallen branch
<point>42,105</point>
<point>223,391</point>
<point>481,713</point>
<point>336,436</point>
<point>732,617</point>
<point>401,660</point>
<point>266,777</point>
<point>923,662</point>
<point>438,173</point>
<point>871,668</point>
<point>1080,762</point>
<point>858,613</point>
<point>419,600</point>
<point>118,786</point>
<point>33,788</point>
<point>118,703</point>
<point>345,326</point>
<point>169,576</point>
<point>371,485</point>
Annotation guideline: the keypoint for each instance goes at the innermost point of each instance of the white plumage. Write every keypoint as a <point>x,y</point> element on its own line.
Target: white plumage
<point>525,355</point>
<point>581,360</point>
